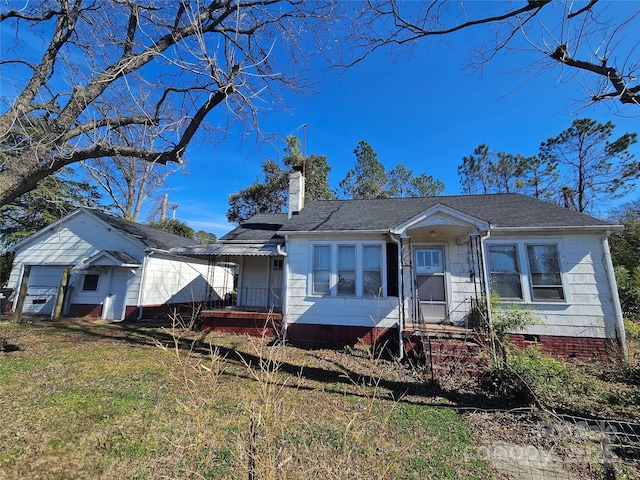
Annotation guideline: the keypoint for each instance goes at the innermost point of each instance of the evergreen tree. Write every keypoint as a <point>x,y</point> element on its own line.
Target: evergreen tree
<point>368,177</point>
<point>592,166</point>
<point>172,225</point>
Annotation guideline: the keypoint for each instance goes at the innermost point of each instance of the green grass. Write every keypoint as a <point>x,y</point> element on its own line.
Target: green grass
<point>82,401</point>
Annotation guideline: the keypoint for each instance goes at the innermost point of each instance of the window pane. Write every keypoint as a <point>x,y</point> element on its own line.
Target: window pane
<point>346,257</point>
<point>321,281</point>
<point>90,282</point>
<point>346,270</point>
<point>502,258</point>
<point>504,274</point>
<point>372,283</point>
<point>372,258</point>
<point>546,278</point>
<point>543,258</point>
<point>430,288</point>
<point>321,269</point>
<point>321,257</point>
<point>507,285</point>
<point>372,272</point>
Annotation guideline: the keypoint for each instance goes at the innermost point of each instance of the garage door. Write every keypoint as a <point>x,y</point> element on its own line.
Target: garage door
<point>42,290</point>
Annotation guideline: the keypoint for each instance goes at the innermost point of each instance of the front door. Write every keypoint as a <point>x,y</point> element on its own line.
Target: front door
<point>430,284</point>
<point>114,302</point>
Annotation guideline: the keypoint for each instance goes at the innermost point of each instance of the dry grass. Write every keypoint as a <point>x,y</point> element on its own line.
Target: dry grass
<point>87,401</point>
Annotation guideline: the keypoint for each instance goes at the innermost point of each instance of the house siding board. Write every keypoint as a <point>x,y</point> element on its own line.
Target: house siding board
<point>174,281</point>
<point>347,311</point>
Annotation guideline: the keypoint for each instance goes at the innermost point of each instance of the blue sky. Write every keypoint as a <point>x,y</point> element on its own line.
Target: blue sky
<point>425,110</point>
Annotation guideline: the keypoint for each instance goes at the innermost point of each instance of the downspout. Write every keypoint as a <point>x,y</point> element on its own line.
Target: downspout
<point>398,242</point>
<point>285,282</point>
<point>487,295</point>
<point>143,277</point>
<point>613,286</point>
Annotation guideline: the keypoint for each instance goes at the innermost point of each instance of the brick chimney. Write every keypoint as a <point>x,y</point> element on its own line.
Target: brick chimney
<point>296,191</point>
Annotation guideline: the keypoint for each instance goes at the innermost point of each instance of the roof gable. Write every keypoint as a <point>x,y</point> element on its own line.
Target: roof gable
<point>144,235</point>
<point>440,214</point>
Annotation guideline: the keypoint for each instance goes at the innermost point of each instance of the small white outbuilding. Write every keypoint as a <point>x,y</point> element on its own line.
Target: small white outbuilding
<point>90,263</point>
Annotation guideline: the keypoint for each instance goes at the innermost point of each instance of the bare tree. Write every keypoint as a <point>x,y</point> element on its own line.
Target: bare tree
<point>151,71</point>
<point>596,39</point>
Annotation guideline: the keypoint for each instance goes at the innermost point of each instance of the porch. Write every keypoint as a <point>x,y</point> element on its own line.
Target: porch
<point>251,311</point>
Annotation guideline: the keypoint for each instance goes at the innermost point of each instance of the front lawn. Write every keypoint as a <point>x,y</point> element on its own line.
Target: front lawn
<point>80,400</point>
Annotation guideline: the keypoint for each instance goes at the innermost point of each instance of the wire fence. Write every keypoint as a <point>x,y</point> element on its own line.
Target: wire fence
<point>560,447</point>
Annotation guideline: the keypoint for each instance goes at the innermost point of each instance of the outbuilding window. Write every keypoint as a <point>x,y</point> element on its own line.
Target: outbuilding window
<point>90,282</point>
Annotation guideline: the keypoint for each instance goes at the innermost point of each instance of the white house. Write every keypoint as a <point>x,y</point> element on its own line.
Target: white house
<point>90,263</point>
<point>348,271</point>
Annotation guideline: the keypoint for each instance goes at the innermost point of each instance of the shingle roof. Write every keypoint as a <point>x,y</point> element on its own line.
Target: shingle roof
<point>150,237</point>
<point>259,228</point>
<point>500,210</point>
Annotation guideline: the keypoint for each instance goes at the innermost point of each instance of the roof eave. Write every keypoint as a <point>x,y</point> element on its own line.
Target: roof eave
<point>564,228</point>
<point>334,232</point>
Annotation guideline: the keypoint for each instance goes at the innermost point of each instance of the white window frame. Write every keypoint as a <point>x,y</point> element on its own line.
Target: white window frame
<point>333,275</point>
<point>526,283</point>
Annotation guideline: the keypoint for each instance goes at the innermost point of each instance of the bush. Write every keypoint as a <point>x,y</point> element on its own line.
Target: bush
<point>531,377</point>
<point>632,329</point>
<point>629,292</point>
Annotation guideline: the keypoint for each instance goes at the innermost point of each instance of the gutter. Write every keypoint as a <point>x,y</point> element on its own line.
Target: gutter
<point>575,228</point>
<point>613,286</point>
<point>487,295</point>
<point>401,312</point>
<point>285,283</point>
<point>143,277</point>
<point>332,232</point>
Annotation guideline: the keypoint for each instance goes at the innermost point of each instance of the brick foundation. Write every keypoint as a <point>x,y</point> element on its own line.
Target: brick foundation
<point>341,335</point>
<point>568,347</point>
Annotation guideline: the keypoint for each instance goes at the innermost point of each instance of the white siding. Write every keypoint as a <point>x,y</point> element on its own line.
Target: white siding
<point>174,280</point>
<point>304,308</point>
<point>588,310</point>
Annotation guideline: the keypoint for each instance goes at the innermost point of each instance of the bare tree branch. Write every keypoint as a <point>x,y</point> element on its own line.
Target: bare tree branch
<point>112,66</point>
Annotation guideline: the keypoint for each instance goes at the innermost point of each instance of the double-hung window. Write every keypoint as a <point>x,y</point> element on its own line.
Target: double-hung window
<point>525,271</point>
<point>504,272</point>
<point>544,271</point>
<point>347,269</point>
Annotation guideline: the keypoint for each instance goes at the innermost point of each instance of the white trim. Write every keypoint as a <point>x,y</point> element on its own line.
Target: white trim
<point>613,288</point>
<point>465,219</point>
<point>446,273</point>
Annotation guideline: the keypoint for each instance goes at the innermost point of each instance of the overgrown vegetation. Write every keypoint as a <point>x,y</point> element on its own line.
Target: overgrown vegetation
<point>85,401</point>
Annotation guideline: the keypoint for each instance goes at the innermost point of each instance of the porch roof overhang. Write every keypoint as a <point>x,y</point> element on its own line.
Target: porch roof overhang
<point>230,250</point>
<point>448,220</point>
<point>110,258</point>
